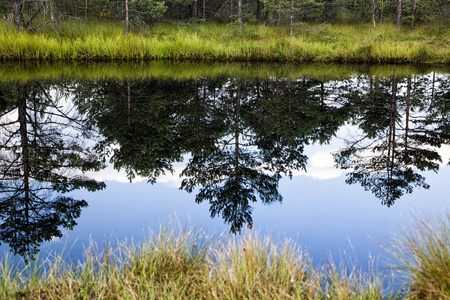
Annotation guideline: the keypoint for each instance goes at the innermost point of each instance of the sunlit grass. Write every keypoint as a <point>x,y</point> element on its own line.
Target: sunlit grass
<point>176,262</point>
<point>219,42</point>
<point>423,254</point>
<point>180,263</point>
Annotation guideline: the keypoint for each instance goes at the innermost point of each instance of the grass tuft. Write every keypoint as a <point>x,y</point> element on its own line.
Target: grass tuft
<point>180,263</point>
<point>423,254</point>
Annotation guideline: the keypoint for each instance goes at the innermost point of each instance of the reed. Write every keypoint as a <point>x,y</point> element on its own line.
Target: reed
<point>215,42</point>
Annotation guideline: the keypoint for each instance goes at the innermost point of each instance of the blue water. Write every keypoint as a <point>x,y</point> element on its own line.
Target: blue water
<point>323,216</point>
<point>319,212</point>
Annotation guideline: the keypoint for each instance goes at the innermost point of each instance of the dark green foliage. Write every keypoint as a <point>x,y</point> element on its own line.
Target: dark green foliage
<point>148,12</point>
<point>399,137</point>
<point>40,148</point>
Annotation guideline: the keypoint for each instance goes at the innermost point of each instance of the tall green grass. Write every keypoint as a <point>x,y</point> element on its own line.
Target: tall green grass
<point>214,42</point>
<point>423,256</point>
<point>176,262</point>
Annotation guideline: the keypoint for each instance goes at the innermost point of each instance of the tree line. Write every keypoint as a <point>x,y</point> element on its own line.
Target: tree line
<point>31,14</point>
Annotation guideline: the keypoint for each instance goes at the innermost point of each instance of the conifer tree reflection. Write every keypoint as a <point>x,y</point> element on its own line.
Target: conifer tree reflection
<point>242,134</point>
<point>264,131</point>
<point>287,115</point>
<point>230,173</point>
<point>40,152</point>
<point>138,121</point>
<point>399,137</point>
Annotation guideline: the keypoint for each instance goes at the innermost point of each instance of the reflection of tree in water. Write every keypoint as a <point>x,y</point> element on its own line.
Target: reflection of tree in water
<point>138,123</point>
<point>239,140</point>
<point>264,130</point>
<point>39,153</point>
<point>230,170</point>
<point>242,135</point>
<point>401,131</point>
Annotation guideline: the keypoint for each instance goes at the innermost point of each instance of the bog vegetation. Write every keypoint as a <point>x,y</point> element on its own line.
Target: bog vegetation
<point>180,263</point>
<point>362,31</point>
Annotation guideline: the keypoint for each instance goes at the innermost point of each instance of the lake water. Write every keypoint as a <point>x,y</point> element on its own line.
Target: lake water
<point>330,156</point>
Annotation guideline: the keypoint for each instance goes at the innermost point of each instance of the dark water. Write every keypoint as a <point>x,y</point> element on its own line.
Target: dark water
<point>330,162</point>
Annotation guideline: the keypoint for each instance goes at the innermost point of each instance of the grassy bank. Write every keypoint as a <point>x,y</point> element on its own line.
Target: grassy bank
<point>213,42</point>
<point>185,264</point>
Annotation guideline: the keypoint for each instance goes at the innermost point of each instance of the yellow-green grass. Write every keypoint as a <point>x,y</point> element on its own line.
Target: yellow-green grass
<point>186,264</point>
<point>215,42</point>
<point>423,256</point>
<point>176,262</point>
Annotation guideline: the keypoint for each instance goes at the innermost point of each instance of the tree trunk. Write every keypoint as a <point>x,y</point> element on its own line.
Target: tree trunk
<point>408,98</point>
<point>236,137</point>
<point>381,11</point>
<point>371,92</point>
<point>23,132</point>
<point>439,17</point>
<point>22,113</point>
<point>17,8</point>
<point>204,10</point>
<point>292,18</point>
<point>399,14</point>
<point>241,23</point>
<point>129,103</point>
<point>127,23</point>
<point>278,15</point>
<point>259,11</point>
<point>322,94</point>
<point>374,7</point>
<point>391,134</point>
<point>413,15</point>
<point>432,85</point>
<point>194,10</point>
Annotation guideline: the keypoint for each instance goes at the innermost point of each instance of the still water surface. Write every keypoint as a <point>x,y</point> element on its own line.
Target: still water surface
<point>331,161</point>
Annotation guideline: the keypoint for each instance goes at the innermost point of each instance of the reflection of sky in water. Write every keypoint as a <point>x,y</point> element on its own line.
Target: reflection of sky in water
<point>319,210</point>
<point>322,215</point>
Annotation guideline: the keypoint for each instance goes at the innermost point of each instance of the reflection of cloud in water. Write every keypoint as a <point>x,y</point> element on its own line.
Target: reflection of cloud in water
<point>444,151</point>
<point>56,239</point>
<point>321,166</point>
<point>173,180</point>
<point>111,174</point>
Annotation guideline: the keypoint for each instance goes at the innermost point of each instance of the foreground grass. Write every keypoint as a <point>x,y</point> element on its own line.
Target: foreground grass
<point>189,265</point>
<point>213,42</point>
<point>423,253</point>
<point>177,263</point>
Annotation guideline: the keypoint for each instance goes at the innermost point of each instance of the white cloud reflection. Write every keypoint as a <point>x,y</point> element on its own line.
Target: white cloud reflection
<point>321,166</point>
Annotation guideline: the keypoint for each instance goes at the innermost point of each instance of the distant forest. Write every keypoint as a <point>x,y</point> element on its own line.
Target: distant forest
<point>31,14</point>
